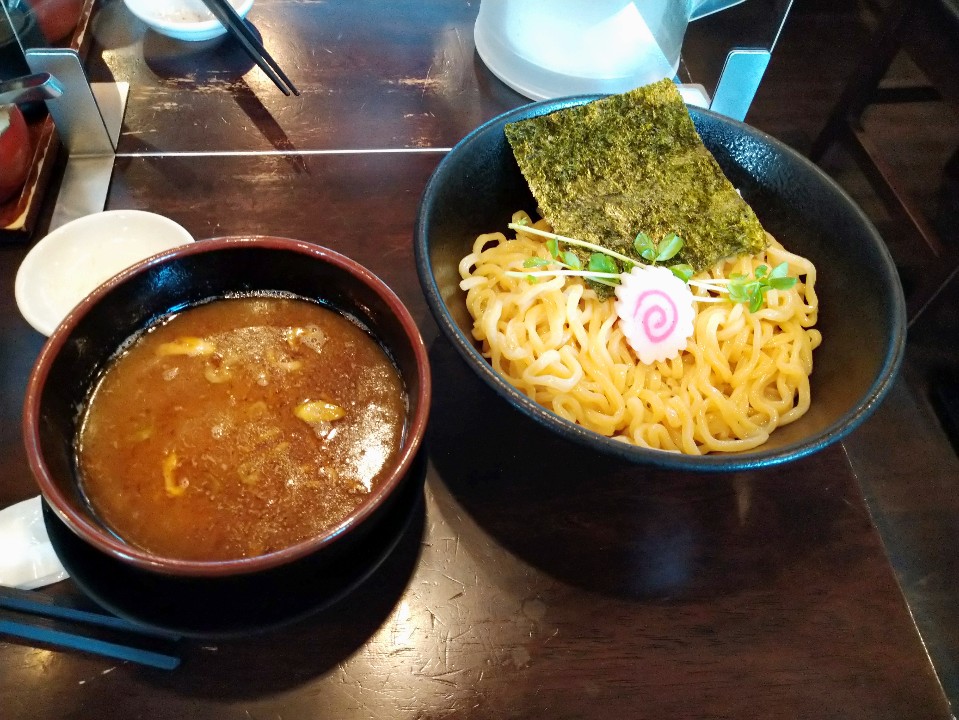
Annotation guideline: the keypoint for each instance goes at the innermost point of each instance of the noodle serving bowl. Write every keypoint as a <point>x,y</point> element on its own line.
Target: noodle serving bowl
<point>478,186</point>
<point>87,339</point>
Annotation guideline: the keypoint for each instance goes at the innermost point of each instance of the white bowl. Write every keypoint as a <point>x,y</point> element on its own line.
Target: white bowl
<point>183,19</point>
<point>73,260</point>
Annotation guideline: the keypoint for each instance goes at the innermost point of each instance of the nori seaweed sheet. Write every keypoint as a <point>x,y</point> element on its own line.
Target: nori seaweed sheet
<point>631,163</point>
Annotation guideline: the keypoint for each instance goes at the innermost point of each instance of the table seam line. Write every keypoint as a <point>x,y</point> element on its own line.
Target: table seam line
<point>281,153</point>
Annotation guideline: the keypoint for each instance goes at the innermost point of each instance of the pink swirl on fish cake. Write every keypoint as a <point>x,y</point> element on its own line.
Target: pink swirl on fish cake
<point>656,312</point>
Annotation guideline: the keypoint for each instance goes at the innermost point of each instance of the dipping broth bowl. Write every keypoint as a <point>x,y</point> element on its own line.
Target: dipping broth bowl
<point>478,186</point>
<point>87,339</point>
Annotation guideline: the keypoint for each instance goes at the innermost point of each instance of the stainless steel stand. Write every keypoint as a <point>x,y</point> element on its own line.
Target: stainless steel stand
<point>88,119</point>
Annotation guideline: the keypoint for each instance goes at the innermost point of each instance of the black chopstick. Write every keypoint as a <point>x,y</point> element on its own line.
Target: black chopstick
<point>224,12</point>
<point>36,603</point>
<point>75,641</point>
<point>15,603</point>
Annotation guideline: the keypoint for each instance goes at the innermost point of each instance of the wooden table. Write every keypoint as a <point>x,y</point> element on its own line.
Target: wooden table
<point>535,581</point>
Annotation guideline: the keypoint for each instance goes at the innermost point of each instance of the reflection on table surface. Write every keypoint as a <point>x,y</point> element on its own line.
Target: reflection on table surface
<point>546,584</point>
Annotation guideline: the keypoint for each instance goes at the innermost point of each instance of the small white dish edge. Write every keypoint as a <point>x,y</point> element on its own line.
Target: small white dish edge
<point>188,31</point>
<point>59,270</point>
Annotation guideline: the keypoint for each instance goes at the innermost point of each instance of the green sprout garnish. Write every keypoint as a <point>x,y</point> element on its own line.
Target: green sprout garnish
<point>683,271</point>
<point>604,266</point>
<point>601,263</point>
<point>598,265</point>
<point>654,252</point>
<point>752,291</point>
<point>665,249</point>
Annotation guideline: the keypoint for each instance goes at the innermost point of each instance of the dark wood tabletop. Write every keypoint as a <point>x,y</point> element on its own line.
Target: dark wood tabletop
<point>525,585</point>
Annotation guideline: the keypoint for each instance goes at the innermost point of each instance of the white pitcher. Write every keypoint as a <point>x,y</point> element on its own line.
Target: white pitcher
<point>550,48</point>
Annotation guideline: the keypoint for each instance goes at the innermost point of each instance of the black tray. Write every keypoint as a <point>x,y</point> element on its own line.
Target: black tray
<point>239,605</point>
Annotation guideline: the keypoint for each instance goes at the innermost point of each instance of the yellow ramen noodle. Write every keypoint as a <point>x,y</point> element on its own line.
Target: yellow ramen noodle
<point>741,376</point>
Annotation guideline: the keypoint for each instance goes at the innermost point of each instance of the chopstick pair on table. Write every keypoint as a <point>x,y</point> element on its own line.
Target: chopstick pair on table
<point>224,12</point>
<point>37,617</point>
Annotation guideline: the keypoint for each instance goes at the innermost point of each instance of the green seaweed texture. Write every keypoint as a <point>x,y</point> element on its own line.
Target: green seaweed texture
<point>631,163</point>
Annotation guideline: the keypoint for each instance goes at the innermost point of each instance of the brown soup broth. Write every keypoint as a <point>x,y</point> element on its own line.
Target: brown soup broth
<point>240,427</point>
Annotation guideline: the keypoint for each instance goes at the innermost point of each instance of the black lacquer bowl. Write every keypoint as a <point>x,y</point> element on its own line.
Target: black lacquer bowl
<point>89,336</point>
<point>478,185</point>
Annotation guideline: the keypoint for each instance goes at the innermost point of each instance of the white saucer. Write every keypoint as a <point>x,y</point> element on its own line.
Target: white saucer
<point>188,20</point>
<point>70,262</point>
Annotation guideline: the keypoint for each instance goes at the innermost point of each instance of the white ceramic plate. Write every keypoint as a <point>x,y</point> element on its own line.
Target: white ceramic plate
<point>188,20</point>
<point>70,262</point>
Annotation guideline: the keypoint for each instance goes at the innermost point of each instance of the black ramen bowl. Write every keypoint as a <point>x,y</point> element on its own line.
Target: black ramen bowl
<point>478,186</point>
<point>84,343</point>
